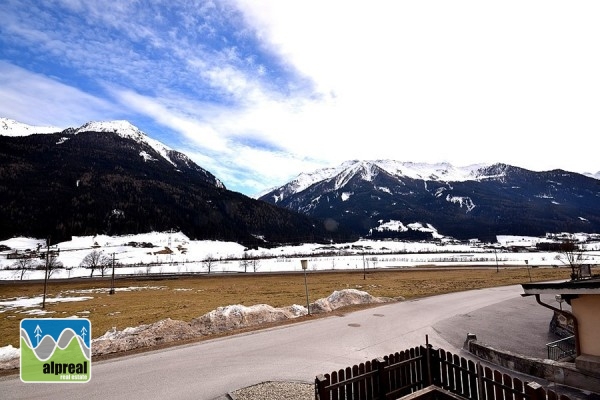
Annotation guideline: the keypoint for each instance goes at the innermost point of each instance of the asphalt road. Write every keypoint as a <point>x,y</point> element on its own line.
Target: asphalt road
<point>519,325</point>
<point>299,352</point>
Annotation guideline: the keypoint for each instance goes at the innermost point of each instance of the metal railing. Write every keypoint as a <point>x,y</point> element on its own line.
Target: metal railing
<point>561,349</point>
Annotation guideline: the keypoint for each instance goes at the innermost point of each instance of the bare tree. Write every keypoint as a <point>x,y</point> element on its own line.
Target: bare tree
<point>209,262</point>
<point>245,261</point>
<point>572,255</point>
<point>23,265</point>
<point>249,261</point>
<point>96,260</point>
<point>53,265</point>
<point>255,262</point>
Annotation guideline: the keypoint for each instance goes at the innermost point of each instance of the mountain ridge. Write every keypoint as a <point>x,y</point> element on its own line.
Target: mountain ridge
<point>477,201</point>
<point>80,182</point>
<point>359,197</point>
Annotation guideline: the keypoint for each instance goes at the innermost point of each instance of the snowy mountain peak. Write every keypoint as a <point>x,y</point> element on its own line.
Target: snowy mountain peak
<point>126,130</point>
<point>367,170</point>
<point>10,127</point>
<point>121,127</point>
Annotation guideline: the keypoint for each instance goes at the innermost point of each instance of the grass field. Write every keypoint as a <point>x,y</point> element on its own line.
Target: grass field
<point>185,298</point>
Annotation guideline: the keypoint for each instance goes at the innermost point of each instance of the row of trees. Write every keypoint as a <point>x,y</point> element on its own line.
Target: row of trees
<point>26,264</point>
<point>94,261</point>
<point>97,260</point>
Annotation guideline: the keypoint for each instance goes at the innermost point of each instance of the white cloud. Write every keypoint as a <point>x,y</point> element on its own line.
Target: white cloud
<point>430,81</point>
<point>38,100</point>
<point>225,141</point>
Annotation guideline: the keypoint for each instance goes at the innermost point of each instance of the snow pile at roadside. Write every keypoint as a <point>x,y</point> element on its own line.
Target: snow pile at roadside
<point>347,297</point>
<point>237,316</point>
<point>223,319</point>
<point>164,331</point>
<point>9,357</point>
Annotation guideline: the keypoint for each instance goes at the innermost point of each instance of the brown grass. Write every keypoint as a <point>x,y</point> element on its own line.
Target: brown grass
<point>205,293</point>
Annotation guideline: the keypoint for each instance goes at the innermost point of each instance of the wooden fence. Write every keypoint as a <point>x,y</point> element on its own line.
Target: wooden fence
<point>406,372</point>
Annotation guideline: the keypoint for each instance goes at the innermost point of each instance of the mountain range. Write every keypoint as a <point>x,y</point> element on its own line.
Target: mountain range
<point>111,178</point>
<point>386,198</point>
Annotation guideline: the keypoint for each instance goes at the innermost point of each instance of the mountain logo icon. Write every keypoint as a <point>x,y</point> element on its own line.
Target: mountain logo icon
<point>56,350</point>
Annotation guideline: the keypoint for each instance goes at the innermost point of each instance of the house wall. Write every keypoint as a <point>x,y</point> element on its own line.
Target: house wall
<point>585,308</point>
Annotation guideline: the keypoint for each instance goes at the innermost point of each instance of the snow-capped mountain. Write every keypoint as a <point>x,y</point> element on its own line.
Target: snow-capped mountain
<point>440,172</point>
<point>393,198</point>
<point>121,128</point>
<point>10,127</point>
<point>125,130</point>
<point>595,176</point>
<point>109,177</point>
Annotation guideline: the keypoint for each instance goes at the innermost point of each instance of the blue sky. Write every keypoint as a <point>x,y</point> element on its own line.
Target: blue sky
<point>259,91</point>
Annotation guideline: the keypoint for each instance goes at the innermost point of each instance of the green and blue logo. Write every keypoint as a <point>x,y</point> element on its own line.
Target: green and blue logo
<point>56,350</point>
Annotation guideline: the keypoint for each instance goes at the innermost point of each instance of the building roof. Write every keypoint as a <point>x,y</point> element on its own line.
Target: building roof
<point>584,286</point>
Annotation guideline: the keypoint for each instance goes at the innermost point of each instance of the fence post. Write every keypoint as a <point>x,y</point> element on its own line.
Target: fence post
<point>434,367</point>
<point>384,379</point>
<point>480,388</point>
<point>535,391</point>
<point>429,380</point>
<point>320,383</point>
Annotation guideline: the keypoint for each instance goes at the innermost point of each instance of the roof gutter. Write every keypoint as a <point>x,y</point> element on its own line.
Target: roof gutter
<point>568,315</point>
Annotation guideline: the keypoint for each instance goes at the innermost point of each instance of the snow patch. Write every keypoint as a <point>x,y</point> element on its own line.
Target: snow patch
<point>395,226</point>
<point>147,157</point>
<point>461,201</point>
<point>10,127</point>
<point>31,302</point>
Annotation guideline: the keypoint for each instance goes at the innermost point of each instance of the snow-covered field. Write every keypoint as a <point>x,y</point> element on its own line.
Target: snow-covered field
<point>173,252</point>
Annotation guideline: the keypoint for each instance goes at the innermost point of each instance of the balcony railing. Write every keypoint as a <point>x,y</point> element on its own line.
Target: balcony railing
<point>561,349</point>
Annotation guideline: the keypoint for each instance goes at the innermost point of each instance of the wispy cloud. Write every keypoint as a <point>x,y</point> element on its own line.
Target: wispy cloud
<point>38,100</point>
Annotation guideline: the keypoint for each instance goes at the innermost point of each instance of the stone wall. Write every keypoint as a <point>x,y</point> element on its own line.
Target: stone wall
<point>559,372</point>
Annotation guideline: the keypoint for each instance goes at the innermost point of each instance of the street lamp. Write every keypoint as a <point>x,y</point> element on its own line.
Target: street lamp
<point>559,299</point>
<point>304,267</point>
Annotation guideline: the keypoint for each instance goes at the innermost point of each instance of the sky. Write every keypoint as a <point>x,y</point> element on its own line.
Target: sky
<point>259,91</point>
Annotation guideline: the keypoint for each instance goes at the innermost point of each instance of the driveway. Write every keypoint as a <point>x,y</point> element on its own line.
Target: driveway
<point>519,325</point>
<point>298,352</point>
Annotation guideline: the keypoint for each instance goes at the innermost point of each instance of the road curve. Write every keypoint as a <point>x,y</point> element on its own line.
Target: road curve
<point>208,369</point>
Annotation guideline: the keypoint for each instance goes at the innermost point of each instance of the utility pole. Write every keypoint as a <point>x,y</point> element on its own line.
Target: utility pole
<point>304,264</point>
<point>495,254</point>
<point>112,280</point>
<point>46,273</point>
<point>364,267</point>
